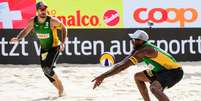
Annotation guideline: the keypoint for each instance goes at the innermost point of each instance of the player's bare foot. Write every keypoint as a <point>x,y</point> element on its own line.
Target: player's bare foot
<point>61,93</point>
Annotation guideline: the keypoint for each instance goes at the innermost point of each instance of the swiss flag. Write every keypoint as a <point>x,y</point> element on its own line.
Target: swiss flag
<point>14,14</point>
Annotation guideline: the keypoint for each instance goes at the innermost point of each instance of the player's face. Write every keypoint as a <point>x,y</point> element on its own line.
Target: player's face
<point>42,12</point>
<point>137,43</point>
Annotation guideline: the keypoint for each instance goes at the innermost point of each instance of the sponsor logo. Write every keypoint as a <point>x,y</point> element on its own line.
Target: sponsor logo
<point>43,36</point>
<point>111,17</point>
<point>46,25</point>
<point>169,15</point>
<point>79,19</point>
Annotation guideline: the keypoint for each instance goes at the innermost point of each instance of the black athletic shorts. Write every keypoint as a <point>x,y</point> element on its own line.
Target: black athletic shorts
<point>167,78</point>
<point>48,57</point>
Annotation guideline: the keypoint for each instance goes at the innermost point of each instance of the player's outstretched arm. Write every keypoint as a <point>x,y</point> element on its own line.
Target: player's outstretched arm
<point>24,32</point>
<point>133,59</point>
<point>116,69</point>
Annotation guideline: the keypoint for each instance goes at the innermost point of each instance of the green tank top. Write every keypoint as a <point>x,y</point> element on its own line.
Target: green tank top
<point>163,61</point>
<point>44,33</point>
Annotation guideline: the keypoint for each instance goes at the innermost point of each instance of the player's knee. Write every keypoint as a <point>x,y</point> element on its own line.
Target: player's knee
<point>49,78</point>
<point>137,76</point>
<point>155,87</point>
<point>48,71</point>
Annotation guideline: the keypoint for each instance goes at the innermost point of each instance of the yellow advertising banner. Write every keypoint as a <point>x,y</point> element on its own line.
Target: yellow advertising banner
<point>87,13</point>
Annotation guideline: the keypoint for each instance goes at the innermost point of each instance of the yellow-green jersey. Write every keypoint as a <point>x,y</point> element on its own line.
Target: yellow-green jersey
<point>163,61</point>
<point>48,37</point>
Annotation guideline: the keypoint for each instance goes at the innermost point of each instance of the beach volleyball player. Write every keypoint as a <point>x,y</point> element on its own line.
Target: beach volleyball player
<point>45,28</point>
<point>164,71</point>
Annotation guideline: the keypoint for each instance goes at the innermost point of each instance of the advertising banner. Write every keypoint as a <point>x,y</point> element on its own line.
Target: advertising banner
<point>88,14</point>
<point>86,46</point>
<point>163,13</point>
<point>105,13</point>
<point>98,26</point>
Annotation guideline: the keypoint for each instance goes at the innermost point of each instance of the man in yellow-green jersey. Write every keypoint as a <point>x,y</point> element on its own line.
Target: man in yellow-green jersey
<point>45,28</point>
<point>164,71</point>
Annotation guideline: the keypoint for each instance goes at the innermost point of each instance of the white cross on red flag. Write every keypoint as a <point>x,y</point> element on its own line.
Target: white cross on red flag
<point>14,14</point>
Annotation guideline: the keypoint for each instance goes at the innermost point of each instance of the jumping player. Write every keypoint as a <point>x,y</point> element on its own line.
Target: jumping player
<point>45,28</point>
<point>165,72</point>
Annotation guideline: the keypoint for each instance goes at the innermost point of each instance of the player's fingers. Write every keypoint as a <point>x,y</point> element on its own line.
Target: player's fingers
<point>13,40</point>
<point>93,79</point>
<point>97,83</point>
<point>61,50</point>
<point>94,85</point>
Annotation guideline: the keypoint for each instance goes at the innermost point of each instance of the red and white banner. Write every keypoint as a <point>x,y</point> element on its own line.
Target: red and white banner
<point>14,14</point>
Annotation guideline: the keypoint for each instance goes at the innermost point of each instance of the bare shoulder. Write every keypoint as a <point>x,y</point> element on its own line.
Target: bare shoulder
<point>146,51</point>
<point>55,23</point>
<point>31,21</point>
<point>150,51</point>
<point>54,20</point>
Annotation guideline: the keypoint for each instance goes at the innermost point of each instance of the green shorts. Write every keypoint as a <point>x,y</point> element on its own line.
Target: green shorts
<point>167,78</point>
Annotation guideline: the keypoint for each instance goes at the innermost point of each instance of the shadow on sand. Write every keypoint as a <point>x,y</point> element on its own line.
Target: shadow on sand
<point>46,99</point>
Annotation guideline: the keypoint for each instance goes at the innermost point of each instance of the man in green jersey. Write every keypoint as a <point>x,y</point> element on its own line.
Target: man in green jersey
<point>45,28</point>
<point>165,72</point>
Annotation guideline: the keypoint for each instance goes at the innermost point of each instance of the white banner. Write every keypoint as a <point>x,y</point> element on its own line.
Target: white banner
<point>163,13</point>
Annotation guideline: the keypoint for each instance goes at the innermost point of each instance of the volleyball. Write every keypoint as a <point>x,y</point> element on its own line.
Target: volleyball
<point>107,59</point>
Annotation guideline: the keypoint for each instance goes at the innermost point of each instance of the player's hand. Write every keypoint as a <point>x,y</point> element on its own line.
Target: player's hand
<point>98,80</point>
<point>61,48</point>
<point>14,40</point>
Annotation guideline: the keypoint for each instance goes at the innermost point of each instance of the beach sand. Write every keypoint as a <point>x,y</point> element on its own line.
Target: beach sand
<point>27,83</point>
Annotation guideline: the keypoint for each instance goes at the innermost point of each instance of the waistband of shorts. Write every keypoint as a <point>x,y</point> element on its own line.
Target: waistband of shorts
<point>52,48</point>
<point>179,68</point>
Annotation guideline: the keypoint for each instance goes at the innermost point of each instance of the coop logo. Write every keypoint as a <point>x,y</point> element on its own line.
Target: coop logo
<point>111,17</point>
<point>182,16</point>
<point>14,15</point>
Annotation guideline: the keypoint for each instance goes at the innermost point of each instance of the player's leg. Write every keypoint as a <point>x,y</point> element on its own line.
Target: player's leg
<point>58,84</point>
<point>140,79</point>
<point>48,65</point>
<point>165,79</point>
<point>157,90</point>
